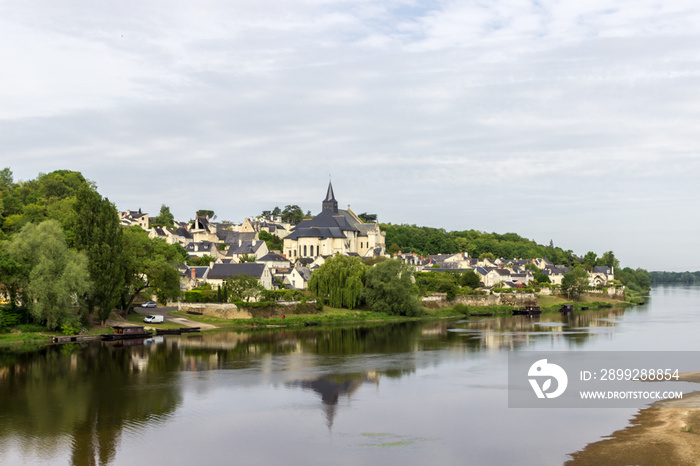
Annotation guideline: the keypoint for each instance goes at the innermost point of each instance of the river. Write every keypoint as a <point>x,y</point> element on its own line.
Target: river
<point>411,393</point>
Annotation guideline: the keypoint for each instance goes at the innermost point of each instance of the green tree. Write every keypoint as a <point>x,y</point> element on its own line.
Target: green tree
<point>10,277</point>
<point>205,213</point>
<point>575,282</point>
<point>368,218</point>
<point>164,217</point>
<point>471,279</point>
<point>339,281</point>
<point>590,259</point>
<point>390,288</point>
<point>54,275</point>
<point>150,263</point>
<point>97,232</point>
<point>541,277</point>
<point>203,261</point>
<point>608,259</point>
<point>243,287</point>
<point>273,242</point>
<point>292,214</point>
<point>6,181</point>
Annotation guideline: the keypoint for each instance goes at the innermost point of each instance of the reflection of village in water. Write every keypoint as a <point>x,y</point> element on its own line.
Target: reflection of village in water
<point>91,392</point>
<point>515,332</point>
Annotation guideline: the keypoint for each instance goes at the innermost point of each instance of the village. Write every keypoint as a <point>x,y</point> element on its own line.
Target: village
<point>236,249</point>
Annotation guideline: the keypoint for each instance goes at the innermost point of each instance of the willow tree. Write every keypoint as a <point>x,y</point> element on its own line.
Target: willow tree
<point>339,281</point>
<point>53,275</point>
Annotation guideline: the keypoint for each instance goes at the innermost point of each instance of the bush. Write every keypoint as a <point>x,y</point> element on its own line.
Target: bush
<point>71,326</point>
<point>30,328</point>
<point>201,296</point>
<point>461,308</point>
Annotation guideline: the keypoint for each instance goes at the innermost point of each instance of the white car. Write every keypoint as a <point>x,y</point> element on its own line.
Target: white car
<point>149,304</point>
<point>153,319</point>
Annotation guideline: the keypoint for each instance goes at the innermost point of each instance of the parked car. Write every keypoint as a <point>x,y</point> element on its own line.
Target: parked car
<point>153,319</point>
<point>149,304</point>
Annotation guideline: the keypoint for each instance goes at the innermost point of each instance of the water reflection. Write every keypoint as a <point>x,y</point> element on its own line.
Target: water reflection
<point>80,400</point>
<point>86,394</point>
<point>331,388</point>
<point>515,332</point>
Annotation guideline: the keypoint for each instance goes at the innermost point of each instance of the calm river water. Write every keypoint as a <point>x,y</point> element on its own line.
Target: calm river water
<point>416,393</point>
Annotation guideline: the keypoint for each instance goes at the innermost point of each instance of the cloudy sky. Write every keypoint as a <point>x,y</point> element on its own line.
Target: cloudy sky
<point>571,121</point>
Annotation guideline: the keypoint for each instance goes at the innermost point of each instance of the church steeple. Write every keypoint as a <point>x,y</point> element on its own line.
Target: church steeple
<point>329,203</point>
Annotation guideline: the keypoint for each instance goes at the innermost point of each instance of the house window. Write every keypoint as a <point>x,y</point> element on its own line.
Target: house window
<point>304,250</point>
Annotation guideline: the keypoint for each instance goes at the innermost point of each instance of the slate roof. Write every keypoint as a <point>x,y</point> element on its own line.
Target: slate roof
<point>201,246</point>
<point>200,272</point>
<point>272,257</point>
<point>602,269</point>
<point>183,232</point>
<point>246,247</point>
<point>231,237</point>
<point>224,271</point>
<point>305,273</point>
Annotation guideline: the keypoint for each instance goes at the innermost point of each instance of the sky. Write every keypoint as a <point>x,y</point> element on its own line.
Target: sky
<point>566,121</point>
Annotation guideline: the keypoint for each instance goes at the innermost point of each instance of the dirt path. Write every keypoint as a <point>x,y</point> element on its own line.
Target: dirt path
<point>165,312</point>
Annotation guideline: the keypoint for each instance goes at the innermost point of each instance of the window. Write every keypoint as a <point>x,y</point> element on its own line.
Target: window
<point>304,250</point>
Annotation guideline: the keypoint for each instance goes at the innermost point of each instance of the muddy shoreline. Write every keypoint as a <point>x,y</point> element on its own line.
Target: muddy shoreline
<point>668,432</point>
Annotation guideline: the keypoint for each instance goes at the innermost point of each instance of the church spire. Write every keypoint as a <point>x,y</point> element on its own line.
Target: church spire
<point>329,203</point>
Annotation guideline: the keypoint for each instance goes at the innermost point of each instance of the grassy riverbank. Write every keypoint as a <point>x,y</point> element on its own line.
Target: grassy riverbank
<point>329,316</point>
<point>334,316</point>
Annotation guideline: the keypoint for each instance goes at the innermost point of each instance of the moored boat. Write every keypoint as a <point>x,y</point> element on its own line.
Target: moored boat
<point>126,332</point>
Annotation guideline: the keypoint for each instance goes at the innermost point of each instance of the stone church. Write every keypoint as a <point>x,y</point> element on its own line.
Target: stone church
<point>334,231</point>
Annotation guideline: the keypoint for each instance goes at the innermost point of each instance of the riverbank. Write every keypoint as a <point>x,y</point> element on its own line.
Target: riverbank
<point>666,433</point>
<point>277,318</point>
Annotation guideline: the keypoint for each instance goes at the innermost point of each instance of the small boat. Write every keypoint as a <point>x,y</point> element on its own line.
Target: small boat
<point>126,332</point>
<point>176,331</point>
<point>527,311</point>
<point>567,309</point>
<point>189,329</point>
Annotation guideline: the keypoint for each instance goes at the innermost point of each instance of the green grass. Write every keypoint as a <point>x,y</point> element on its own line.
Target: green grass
<point>328,316</point>
<point>7,339</point>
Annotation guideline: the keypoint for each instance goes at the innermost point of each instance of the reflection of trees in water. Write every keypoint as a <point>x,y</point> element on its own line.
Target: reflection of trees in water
<point>519,331</point>
<point>89,394</point>
<point>243,350</point>
<point>394,338</point>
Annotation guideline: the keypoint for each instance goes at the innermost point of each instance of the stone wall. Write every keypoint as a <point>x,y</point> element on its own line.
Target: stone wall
<point>439,300</point>
<point>222,311</point>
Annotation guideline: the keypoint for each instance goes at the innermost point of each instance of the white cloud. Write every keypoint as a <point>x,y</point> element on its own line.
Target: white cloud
<point>533,117</point>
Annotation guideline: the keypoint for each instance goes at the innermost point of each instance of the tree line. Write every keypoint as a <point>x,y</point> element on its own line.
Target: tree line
<point>65,258</point>
<point>429,241</point>
<point>675,277</point>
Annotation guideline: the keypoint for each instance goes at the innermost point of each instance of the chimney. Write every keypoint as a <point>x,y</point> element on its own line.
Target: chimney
<point>193,273</point>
